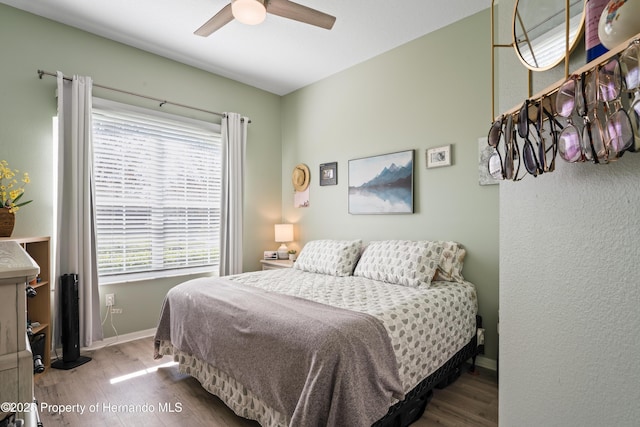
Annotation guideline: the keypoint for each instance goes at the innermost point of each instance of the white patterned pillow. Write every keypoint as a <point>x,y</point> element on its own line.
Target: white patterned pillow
<point>451,262</point>
<point>401,262</point>
<point>334,257</point>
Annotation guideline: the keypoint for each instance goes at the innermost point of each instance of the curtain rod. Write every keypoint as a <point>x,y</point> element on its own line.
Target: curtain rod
<point>161,101</point>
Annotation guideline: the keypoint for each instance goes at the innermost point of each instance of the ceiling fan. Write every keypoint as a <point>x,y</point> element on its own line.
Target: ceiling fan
<point>253,12</point>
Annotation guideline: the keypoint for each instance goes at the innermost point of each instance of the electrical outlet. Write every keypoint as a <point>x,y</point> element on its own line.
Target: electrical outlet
<point>110,300</point>
<point>116,311</point>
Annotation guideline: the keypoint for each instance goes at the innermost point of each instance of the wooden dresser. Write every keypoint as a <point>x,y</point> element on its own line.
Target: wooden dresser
<point>17,268</point>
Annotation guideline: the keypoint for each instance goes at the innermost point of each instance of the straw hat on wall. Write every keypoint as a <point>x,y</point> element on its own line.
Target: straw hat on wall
<point>300,177</point>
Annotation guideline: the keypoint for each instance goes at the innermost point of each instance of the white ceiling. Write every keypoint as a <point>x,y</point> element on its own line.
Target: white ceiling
<point>279,55</point>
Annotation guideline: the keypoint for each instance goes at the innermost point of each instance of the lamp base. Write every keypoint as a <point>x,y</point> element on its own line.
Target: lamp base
<point>283,252</point>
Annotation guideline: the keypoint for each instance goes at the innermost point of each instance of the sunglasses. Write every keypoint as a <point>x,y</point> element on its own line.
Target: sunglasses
<point>593,146</point>
<point>494,164</point>
<point>527,127</point>
<point>548,130</point>
<point>532,117</point>
<point>618,128</point>
<point>630,64</point>
<point>569,140</point>
<point>506,165</point>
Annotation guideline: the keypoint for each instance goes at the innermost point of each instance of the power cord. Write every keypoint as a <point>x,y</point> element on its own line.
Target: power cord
<point>106,315</point>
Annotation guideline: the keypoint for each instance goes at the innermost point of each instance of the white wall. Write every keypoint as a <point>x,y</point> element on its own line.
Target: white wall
<point>569,283</point>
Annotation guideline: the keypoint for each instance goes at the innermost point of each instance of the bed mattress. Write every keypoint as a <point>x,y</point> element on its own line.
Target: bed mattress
<point>426,326</point>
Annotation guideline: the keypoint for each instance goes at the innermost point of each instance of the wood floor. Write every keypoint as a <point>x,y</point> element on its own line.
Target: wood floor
<point>124,386</point>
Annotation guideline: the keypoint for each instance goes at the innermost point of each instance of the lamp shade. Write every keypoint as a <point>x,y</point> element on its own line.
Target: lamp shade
<point>250,12</point>
<point>284,232</point>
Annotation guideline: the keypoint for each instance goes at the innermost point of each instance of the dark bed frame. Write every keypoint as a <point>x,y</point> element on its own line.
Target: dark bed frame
<point>415,402</point>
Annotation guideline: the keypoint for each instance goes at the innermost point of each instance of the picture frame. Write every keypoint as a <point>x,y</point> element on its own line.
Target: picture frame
<point>484,153</point>
<point>329,173</point>
<point>382,184</point>
<point>439,156</point>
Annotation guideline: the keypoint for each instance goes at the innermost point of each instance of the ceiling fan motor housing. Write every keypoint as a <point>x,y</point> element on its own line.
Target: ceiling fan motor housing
<point>253,12</point>
<point>250,12</point>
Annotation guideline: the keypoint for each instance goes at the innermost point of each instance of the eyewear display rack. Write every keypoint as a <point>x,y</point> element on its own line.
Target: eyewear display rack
<point>551,91</point>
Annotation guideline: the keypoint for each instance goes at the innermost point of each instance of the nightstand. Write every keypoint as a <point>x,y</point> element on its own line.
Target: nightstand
<point>275,264</point>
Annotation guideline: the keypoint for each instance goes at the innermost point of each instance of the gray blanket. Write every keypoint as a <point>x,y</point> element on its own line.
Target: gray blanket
<point>319,365</point>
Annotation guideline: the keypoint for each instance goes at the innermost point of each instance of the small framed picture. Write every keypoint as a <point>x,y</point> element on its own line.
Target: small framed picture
<point>439,156</point>
<point>329,173</point>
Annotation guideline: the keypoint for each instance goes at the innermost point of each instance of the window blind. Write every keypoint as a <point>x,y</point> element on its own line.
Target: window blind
<point>157,187</point>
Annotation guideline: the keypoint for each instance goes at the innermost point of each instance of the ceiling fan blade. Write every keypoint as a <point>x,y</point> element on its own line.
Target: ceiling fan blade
<point>298,12</point>
<point>219,20</point>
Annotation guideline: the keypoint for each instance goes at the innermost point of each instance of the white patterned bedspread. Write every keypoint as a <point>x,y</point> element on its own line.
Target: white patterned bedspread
<point>426,325</point>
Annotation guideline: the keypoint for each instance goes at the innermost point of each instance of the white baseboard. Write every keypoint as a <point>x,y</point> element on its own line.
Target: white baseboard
<point>121,339</point>
<point>487,363</point>
<point>114,340</point>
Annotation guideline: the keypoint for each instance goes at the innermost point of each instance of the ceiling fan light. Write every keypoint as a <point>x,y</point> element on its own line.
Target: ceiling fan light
<point>250,12</point>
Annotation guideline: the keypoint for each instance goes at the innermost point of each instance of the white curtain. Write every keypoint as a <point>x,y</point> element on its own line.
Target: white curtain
<point>76,243</point>
<point>234,141</point>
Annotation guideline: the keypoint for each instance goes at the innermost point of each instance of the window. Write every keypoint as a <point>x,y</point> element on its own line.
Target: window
<point>157,187</point>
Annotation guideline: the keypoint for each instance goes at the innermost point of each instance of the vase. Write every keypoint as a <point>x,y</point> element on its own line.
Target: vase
<point>7,222</point>
<point>619,22</point>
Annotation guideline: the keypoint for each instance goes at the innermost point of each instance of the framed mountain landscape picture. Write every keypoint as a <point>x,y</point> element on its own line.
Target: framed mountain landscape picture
<point>382,184</point>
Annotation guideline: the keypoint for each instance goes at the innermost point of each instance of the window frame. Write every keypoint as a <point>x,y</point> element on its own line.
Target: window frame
<point>118,107</point>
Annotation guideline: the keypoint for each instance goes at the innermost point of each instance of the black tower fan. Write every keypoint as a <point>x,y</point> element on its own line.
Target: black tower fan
<point>70,303</point>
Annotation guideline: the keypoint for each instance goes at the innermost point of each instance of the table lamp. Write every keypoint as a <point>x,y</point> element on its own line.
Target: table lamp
<point>284,233</point>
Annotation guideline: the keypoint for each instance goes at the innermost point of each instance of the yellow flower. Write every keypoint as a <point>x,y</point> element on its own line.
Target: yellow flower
<point>11,191</point>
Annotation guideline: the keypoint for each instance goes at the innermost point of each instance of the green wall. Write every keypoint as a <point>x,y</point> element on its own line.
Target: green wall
<point>432,91</point>
<point>27,105</point>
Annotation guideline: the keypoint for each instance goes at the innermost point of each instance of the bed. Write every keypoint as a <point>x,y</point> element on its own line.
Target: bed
<point>346,337</point>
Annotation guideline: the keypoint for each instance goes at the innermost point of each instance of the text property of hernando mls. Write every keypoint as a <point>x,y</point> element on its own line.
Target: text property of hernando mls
<point>98,407</point>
